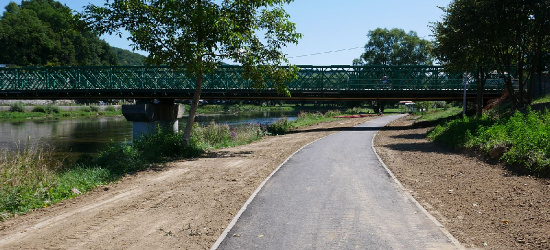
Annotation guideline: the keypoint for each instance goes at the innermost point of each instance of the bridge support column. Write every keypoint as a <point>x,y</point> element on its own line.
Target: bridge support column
<point>147,116</point>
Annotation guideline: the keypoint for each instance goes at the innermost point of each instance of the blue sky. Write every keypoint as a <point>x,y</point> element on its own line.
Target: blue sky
<point>334,31</point>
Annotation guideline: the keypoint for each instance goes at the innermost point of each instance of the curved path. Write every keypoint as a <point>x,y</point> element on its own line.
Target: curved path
<point>335,194</point>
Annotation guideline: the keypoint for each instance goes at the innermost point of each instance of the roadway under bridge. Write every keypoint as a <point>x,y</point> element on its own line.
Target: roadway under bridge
<point>334,83</point>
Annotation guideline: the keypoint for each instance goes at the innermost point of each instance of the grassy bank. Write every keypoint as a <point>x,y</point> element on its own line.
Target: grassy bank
<point>17,112</point>
<point>522,140</point>
<point>32,178</point>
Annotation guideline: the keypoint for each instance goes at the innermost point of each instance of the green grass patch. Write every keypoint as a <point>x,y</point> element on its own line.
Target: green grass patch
<point>523,138</point>
<point>544,99</point>
<point>304,119</point>
<point>439,114</point>
<point>54,112</point>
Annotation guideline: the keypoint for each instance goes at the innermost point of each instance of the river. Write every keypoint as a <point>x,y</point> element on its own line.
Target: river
<point>72,137</point>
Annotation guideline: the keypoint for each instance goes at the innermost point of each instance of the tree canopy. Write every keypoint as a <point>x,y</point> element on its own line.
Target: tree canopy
<point>506,35</point>
<point>47,33</point>
<point>201,34</point>
<point>395,47</point>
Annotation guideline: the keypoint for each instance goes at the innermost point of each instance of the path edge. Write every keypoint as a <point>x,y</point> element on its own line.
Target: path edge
<point>224,234</point>
<point>411,198</point>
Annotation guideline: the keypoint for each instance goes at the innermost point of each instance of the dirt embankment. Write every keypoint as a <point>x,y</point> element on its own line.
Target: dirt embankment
<point>188,204</point>
<point>482,205</point>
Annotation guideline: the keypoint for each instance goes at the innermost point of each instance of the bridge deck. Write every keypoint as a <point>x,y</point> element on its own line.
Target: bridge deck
<point>313,83</point>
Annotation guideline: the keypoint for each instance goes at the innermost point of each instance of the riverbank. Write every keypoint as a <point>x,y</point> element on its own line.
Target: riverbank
<point>184,204</point>
<point>188,203</point>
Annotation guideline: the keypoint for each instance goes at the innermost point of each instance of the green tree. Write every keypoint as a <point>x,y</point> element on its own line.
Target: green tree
<point>395,47</point>
<point>200,34</point>
<point>461,42</point>
<point>46,33</point>
<point>508,35</point>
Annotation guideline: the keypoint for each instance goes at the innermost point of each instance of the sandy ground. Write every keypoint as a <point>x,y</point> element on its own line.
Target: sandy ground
<point>187,204</point>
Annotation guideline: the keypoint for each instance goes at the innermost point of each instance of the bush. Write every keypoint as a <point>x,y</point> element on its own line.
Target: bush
<point>17,107</point>
<point>85,109</point>
<point>110,108</point>
<point>94,108</point>
<point>280,127</point>
<point>48,109</point>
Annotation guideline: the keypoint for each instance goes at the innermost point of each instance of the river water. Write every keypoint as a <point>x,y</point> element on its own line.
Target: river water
<point>90,135</point>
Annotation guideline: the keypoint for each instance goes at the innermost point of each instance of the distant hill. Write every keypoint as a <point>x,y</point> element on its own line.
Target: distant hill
<point>128,58</point>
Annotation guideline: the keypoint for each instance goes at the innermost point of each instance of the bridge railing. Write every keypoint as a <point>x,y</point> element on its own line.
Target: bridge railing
<point>341,78</point>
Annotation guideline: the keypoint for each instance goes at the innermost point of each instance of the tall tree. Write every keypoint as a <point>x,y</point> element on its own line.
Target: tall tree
<point>46,33</point>
<point>513,32</point>
<point>200,34</point>
<point>461,42</point>
<point>395,47</point>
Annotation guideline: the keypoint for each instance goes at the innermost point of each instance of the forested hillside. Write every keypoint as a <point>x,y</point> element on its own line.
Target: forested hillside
<point>128,58</point>
<point>48,33</point>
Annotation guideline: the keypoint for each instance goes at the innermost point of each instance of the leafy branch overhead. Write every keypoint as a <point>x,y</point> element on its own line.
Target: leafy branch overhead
<point>200,34</point>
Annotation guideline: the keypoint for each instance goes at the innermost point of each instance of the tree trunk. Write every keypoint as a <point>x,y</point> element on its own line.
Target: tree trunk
<point>193,111</point>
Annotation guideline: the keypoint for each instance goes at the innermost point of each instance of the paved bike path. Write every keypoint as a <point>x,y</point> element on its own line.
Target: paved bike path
<point>335,194</point>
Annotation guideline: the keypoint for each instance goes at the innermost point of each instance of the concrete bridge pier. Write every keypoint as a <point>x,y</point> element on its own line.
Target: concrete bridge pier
<point>148,115</point>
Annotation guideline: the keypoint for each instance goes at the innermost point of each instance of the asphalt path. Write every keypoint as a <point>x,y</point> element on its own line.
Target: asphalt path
<point>335,194</point>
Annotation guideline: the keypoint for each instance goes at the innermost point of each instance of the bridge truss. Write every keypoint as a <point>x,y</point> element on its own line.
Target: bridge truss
<point>336,82</point>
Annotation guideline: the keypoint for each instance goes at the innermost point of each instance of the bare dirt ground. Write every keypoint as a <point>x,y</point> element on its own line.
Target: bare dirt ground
<point>187,204</point>
<point>482,205</point>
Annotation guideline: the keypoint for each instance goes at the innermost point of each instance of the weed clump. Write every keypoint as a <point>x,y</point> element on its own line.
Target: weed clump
<point>17,107</point>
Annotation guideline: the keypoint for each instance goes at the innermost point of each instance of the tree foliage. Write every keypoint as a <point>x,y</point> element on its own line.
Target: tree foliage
<point>505,35</point>
<point>395,47</point>
<point>200,34</point>
<point>128,58</point>
<point>47,33</point>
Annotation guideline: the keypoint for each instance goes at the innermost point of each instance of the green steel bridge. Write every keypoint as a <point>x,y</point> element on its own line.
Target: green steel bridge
<point>336,82</point>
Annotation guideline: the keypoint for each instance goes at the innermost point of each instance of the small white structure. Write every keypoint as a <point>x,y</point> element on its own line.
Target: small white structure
<point>407,106</point>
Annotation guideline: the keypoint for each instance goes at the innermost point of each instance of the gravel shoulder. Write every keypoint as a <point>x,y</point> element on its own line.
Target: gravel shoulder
<point>187,204</point>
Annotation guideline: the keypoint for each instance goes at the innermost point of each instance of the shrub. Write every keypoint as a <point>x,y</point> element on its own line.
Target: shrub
<point>110,108</point>
<point>85,109</point>
<point>94,108</point>
<point>280,127</point>
<point>39,108</point>
<point>48,109</point>
<point>17,107</point>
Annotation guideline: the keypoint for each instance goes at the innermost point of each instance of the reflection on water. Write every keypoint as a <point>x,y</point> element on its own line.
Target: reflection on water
<point>74,135</point>
<point>90,135</point>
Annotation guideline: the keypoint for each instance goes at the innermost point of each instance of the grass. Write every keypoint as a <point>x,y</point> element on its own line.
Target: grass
<point>55,112</point>
<point>439,114</point>
<point>33,178</point>
<point>523,139</point>
<point>543,99</point>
